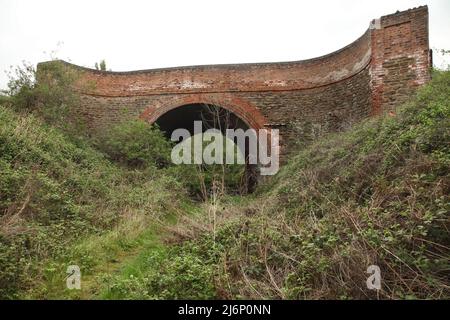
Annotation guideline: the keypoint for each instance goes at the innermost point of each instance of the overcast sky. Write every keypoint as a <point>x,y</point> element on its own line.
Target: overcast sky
<point>133,35</point>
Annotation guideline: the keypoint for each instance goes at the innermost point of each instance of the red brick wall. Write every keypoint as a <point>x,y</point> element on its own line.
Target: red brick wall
<point>400,57</point>
<point>303,98</point>
<point>282,76</point>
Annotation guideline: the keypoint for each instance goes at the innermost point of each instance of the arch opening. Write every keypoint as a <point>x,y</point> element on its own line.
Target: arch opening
<point>212,117</point>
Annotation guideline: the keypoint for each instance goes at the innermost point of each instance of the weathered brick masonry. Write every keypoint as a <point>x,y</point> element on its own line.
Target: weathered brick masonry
<point>303,98</point>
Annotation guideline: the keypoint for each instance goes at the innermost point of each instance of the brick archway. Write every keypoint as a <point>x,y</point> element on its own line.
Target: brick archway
<point>241,108</point>
<point>304,99</point>
<point>245,111</point>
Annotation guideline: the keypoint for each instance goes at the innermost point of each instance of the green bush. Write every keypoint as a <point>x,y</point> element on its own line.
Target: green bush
<point>47,94</point>
<point>137,144</point>
<point>4,100</point>
<point>201,180</point>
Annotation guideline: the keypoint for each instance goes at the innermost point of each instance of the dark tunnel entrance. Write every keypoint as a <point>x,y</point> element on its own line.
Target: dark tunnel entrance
<point>212,117</point>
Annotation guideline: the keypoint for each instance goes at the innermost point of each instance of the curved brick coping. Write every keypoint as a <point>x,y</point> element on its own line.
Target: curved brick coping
<point>281,76</point>
<point>243,109</point>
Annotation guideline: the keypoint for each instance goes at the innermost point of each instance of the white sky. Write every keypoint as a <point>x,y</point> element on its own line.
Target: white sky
<point>133,35</point>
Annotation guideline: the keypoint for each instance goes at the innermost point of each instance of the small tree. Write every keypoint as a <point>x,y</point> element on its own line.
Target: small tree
<point>101,66</point>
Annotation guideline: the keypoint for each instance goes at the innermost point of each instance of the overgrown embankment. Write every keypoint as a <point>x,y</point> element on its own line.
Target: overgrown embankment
<point>376,195</point>
<point>68,197</point>
<point>58,197</point>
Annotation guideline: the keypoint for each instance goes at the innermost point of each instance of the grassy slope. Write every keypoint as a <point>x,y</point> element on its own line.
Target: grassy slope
<point>62,202</point>
<point>375,195</point>
<point>378,194</point>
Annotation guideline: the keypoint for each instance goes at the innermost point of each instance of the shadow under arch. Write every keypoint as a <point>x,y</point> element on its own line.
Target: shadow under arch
<point>212,116</point>
<point>244,110</point>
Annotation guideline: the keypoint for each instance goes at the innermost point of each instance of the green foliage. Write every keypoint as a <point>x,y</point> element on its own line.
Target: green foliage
<point>55,191</point>
<point>174,273</point>
<point>101,66</point>
<point>137,144</point>
<point>22,81</point>
<point>377,194</point>
<point>46,94</point>
<point>4,100</point>
<point>202,180</point>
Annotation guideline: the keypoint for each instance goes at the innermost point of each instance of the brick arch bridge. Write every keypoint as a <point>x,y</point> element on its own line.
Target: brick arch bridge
<point>244,110</point>
<point>303,99</point>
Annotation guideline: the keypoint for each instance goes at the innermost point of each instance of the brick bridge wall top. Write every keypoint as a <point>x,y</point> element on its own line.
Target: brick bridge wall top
<point>252,77</point>
<point>302,98</point>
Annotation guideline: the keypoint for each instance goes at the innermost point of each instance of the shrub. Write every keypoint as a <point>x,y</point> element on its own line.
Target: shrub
<point>47,94</point>
<point>4,100</point>
<point>202,180</point>
<point>137,144</point>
